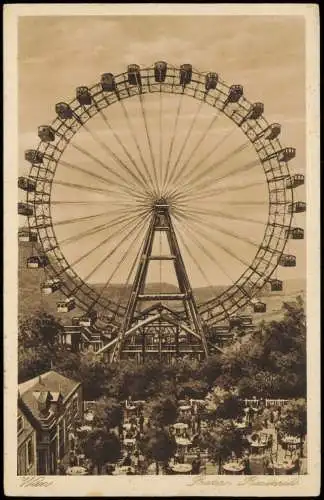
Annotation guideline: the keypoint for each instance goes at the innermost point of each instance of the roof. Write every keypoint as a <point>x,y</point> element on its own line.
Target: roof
<point>38,388</point>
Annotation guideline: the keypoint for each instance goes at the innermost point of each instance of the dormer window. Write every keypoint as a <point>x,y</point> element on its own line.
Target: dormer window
<point>20,424</point>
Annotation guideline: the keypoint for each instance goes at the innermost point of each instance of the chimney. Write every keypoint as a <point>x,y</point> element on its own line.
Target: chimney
<point>40,379</point>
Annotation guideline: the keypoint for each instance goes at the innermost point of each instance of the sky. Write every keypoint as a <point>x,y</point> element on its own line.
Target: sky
<point>265,54</point>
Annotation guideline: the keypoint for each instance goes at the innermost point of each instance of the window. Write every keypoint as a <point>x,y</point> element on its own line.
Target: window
<point>29,452</point>
<point>20,424</point>
<point>75,405</point>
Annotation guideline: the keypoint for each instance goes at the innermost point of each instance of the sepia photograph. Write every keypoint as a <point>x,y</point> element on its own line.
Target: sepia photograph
<point>162,184</point>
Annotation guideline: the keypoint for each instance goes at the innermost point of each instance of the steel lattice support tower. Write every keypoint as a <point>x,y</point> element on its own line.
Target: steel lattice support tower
<point>161,221</point>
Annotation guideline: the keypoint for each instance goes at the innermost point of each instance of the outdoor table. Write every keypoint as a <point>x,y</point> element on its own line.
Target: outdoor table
<point>180,425</point>
<point>258,447</point>
<point>181,468</point>
<point>233,468</point>
<point>240,425</point>
<point>184,408</point>
<point>183,441</point>
<point>283,467</point>
<point>76,471</point>
<point>129,442</point>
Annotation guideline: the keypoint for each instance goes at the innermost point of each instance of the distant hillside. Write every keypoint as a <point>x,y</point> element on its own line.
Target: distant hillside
<point>30,298</point>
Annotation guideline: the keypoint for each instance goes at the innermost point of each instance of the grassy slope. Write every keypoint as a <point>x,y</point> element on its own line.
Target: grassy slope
<point>31,300</point>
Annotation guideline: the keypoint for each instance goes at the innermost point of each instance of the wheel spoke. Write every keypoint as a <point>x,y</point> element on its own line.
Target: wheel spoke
<point>149,143</point>
<point>166,176</point>
<point>195,149</point>
<point>185,142</point>
<point>139,177</point>
<point>139,150</point>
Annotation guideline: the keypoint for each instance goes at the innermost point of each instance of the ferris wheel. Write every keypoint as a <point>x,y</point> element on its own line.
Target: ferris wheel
<point>160,133</point>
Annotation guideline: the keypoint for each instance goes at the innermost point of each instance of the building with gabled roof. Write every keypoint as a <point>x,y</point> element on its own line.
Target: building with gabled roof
<point>50,403</point>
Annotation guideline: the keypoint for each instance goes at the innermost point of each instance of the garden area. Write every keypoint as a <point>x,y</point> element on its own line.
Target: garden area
<point>242,411</point>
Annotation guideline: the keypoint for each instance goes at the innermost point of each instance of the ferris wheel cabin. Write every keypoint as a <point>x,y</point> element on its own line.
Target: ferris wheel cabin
<point>260,307</point>
<point>235,93</point>
<point>270,133</point>
<point>286,154</point>
<point>66,305</point>
<point>25,209</point>
<point>295,233</point>
<point>211,81</point>
<point>27,235</point>
<point>287,261</point>
<point>297,207</point>
<point>85,320</point>
<point>256,111</point>
<point>51,286</point>
<point>37,261</point>
<point>34,156</point>
<point>134,75</point>
<point>160,70</point>
<point>63,110</point>
<point>83,96</point>
<point>276,285</point>
<point>108,83</point>
<point>295,181</point>
<point>26,184</point>
<point>46,133</point>
<point>273,131</point>
<point>185,74</point>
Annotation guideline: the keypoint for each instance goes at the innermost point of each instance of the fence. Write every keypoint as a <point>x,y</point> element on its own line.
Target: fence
<point>268,402</point>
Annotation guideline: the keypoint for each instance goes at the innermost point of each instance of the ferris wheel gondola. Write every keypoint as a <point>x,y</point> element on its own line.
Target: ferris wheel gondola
<point>130,184</point>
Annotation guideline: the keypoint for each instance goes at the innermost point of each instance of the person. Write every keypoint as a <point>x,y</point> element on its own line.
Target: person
<point>246,464</point>
<point>127,460</point>
<point>73,459</point>
<point>141,422</point>
<point>129,472</point>
<point>196,464</point>
<point>61,468</point>
<point>268,465</point>
<point>271,417</point>
<point>141,462</point>
<point>109,469</point>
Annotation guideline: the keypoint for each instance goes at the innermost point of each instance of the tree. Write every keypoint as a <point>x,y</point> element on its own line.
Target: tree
<point>41,329</point>
<point>163,411</point>
<point>101,447</point>
<point>230,408</point>
<point>223,440</point>
<point>92,374</point>
<point>196,389</point>
<point>108,413</point>
<point>31,362</point>
<point>158,445</point>
<point>294,419</point>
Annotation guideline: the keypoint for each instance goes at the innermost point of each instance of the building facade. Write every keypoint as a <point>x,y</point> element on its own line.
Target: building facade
<point>26,446</point>
<point>51,404</point>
